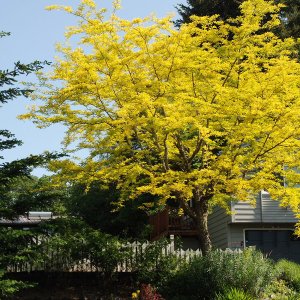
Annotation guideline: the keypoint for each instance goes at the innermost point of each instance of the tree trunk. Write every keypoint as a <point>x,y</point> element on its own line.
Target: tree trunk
<point>199,213</point>
<point>201,210</point>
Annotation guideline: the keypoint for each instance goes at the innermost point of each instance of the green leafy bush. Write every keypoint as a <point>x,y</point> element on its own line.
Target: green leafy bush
<point>9,287</point>
<point>155,266</point>
<point>17,247</point>
<point>290,272</point>
<point>278,290</point>
<point>234,294</point>
<point>105,251</point>
<point>219,271</point>
<point>71,242</point>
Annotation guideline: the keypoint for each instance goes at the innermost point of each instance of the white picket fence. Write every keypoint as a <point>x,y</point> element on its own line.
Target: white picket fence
<point>136,250</point>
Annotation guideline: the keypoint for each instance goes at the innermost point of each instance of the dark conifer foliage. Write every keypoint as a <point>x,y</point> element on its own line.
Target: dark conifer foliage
<point>9,90</point>
<point>224,8</point>
<point>290,14</point>
<point>290,19</point>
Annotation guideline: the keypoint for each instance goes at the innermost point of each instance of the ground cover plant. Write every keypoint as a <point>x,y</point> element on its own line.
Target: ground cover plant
<point>290,272</point>
<point>280,290</point>
<point>9,287</point>
<point>234,294</point>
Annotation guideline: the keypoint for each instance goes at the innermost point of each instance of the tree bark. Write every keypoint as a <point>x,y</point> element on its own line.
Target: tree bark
<point>199,213</point>
<point>201,210</point>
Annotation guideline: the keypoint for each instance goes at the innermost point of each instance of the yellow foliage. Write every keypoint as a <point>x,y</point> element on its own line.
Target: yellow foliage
<point>210,112</point>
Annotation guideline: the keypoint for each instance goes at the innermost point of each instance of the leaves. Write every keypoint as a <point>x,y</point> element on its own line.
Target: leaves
<point>209,112</point>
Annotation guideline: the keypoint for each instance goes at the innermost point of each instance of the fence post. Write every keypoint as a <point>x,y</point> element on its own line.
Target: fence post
<point>172,243</point>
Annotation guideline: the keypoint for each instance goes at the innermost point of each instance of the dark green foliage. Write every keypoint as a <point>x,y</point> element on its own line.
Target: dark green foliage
<point>290,272</point>
<point>16,247</point>
<point>20,192</point>
<point>289,15</point>
<point>290,19</point>
<point>105,251</point>
<point>9,171</point>
<point>95,207</point>
<point>70,241</point>
<point>155,266</point>
<point>8,141</point>
<point>8,78</point>
<point>23,167</point>
<point>9,287</point>
<point>218,271</point>
<point>224,8</point>
<point>32,194</point>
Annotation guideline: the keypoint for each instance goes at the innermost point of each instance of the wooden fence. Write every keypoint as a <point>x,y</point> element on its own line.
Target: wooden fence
<point>57,262</point>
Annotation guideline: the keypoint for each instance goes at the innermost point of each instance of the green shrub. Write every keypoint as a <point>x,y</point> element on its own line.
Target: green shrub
<point>17,247</point>
<point>9,287</point>
<point>71,241</point>
<point>234,294</point>
<point>290,272</point>
<point>155,266</point>
<point>105,251</point>
<point>219,271</point>
<point>278,290</point>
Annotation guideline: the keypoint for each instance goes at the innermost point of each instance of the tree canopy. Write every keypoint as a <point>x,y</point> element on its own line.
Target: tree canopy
<point>185,114</point>
<point>95,205</point>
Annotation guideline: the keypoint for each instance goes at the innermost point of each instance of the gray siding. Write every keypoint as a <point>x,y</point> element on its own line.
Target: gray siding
<point>218,227</point>
<point>266,210</point>
<point>246,212</point>
<point>271,211</point>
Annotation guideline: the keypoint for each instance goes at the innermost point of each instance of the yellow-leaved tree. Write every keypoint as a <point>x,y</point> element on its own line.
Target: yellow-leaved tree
<point>203,115</point>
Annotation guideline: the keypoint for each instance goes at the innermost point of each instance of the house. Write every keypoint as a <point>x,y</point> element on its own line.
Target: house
<point>267,226</point>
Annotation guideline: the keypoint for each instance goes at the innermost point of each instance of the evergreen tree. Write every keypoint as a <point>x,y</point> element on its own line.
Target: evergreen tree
<point>290,19</point>
<point>289,15</point>
<point>10,171</point>
<point>224,8</point>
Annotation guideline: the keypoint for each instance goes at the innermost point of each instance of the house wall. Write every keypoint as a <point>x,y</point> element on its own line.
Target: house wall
<point>218,227</point>
<point>272,211</point>
<point>266,210</point>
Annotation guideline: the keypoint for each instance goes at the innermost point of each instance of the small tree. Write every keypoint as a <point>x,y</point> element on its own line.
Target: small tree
<point>188,115</point>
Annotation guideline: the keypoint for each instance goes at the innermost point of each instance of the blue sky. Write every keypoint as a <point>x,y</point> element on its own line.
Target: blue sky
<point>34,32</point>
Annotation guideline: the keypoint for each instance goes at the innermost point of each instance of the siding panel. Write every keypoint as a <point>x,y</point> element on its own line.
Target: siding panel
<point>218,227</point>
<point>272,211</point>
<point>266,210</point>
<point>246,212</point>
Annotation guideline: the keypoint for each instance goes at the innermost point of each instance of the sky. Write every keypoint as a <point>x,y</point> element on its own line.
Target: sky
<point>34,32</point>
